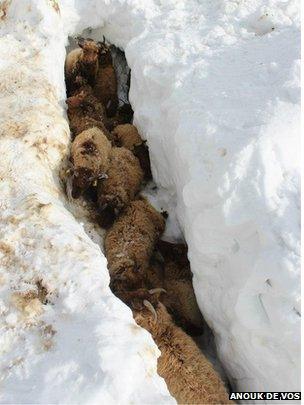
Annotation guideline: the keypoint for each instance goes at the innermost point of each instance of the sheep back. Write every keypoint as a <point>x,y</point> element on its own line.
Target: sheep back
<point>124,179</point>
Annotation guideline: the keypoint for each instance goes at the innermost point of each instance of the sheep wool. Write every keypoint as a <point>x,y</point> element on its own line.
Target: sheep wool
<point>173,274</point>
<point>127,135</point>
<point>82,62</point>
<point>190,377</point>
<point>129,243</point>
<point>181,303</point>
<point>85,111</point>
<point>105,88</point>
<point>71,65</point>
<point>90,154</point>
<point>124,179</point>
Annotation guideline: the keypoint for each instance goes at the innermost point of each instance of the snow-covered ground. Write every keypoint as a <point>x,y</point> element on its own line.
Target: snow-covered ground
<point>215,90</point>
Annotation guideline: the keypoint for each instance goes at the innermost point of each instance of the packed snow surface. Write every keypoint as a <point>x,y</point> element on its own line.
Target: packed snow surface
<point>215,90</point>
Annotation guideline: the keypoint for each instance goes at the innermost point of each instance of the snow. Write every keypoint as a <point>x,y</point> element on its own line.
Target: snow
<point>82,346</point>
<point>215,90</point>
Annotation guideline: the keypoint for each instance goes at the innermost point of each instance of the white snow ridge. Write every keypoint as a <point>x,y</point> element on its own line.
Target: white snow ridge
<point>215,91</point>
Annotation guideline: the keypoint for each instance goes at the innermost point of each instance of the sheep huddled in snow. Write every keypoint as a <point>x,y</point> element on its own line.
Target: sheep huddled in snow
<point>127,135</point>
<point>124,178</point>
<point>190,377</point>
<point>170,270</point>
<point>180,298</point>
<point>153,277</point>
<point>82,62</point>
<point>86,111</point>
<point>105,84</point>
<point>181,303</point>
<point>90,156</point>
<point>130,242</point>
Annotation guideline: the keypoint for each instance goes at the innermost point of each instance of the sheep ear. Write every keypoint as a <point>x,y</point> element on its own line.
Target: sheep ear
<point>81,42</point>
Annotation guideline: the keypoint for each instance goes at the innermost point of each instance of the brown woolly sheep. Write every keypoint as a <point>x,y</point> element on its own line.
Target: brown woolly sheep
<point>127,135</point>
<point>79,84</point>
<point>174,275</point>
<point>82,62</point>
<point>129,244</point>
<point>90,154</point>
<point>123,181</point>
<point>181,303</point>
<point>85,111</point>
<point>105,88</point>
<point>190,377</point>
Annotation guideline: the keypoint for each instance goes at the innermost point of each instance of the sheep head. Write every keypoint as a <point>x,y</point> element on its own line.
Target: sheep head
<point>105,56</point>
<point>90,50</point>
<point>152,320</point>
<point>125,276</point>
<point>82,178</point>
<point>111,203</point>
<point>75,101</point>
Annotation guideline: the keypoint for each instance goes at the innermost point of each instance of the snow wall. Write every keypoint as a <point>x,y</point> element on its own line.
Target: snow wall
<point>215,91</point>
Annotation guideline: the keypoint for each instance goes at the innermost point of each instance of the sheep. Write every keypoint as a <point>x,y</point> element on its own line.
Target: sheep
<point>85,111</point>
<point>129,244</point>
<point>181,303</point>
<point>190,377</point>
<point>79,84</point>
<point>124,179</point>
<point>105,88</point>
<point>175,256</point>
<point>127,135</point>
<point>173,274</point>
<point>82,62</point>
<point>90,154</point>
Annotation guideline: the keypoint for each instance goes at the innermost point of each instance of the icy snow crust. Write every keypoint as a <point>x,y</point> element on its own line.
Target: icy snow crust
<point>215,91</point>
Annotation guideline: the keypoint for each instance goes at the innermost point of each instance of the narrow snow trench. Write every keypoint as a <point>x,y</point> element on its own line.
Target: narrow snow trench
<point>170,276</point>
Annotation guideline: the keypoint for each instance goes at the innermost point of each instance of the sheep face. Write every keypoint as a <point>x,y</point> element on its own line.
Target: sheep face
<point>146,319</point>
<point>90,50</point>
<point>82,179</point>
<point>90,157</point>
<point>113,203</point>
<point>123,182</point>
<point>105,56</point>
<point>125,277</point>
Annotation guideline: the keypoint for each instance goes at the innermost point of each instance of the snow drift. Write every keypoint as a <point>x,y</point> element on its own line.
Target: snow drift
<point>215,91</point>
<point>82,346</point>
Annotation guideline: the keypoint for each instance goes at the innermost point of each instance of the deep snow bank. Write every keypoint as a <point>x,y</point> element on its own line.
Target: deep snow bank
<point>215,91</point>
<point>81,345</point>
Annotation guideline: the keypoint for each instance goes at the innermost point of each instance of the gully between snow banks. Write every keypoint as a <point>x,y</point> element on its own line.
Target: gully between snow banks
<point>215,91</point>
